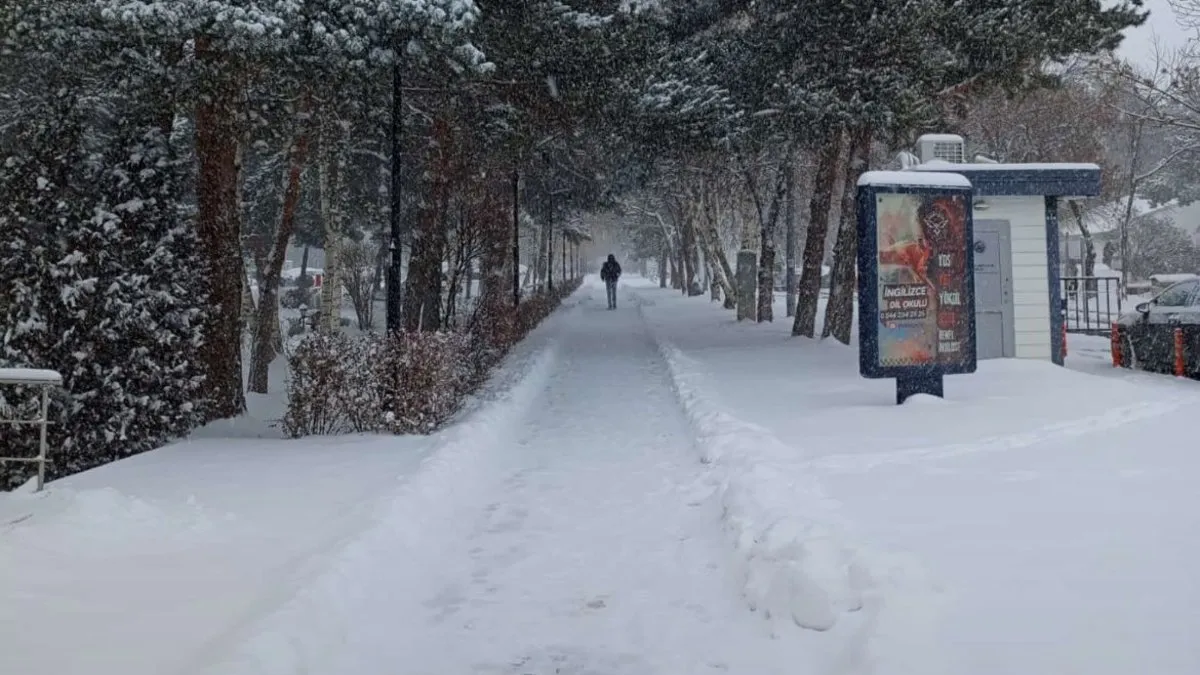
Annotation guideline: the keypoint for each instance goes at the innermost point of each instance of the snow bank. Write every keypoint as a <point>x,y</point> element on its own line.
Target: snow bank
<point>381,566</point>
<point>96,522</point>
<point>796,554</point>
<point>786,531</point>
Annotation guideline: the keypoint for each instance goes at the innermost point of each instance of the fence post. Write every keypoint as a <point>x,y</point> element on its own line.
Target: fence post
<point>43,422</point>
<point>43,380</point>
<point>1115,346</point>
<point>1179,352</point>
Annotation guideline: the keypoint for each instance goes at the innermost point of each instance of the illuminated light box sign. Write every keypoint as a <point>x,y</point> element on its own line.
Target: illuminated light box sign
<point>916,285</point>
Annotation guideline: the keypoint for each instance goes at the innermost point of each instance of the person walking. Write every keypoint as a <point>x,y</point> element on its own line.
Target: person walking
<point>610,271</point>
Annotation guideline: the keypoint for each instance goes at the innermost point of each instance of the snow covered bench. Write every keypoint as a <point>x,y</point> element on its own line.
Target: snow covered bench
<point>44,379</point>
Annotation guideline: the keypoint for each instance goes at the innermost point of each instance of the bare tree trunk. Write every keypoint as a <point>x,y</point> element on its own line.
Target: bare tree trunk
<point>677,268</point>
<point>529,279</point>
<point>219,229</point>
<point>304,264</point>
<point>1089,247</point>
<point>423,292</point>
<point>423,288</point>
<point>263,352</point>
<point>766,246</point>
<point>1135,145</point>
<point>839,313</point>
<point>456,262</point>
<point>539,274</point>
<point>469,264</point>
<point>491,320</point>
<point>333,215</point>
<point>689,253</point>
<point>809,289</point>
<point>248,306</point>
<point>721,267</point>
<point>664,266</point>
<point>376,280</point>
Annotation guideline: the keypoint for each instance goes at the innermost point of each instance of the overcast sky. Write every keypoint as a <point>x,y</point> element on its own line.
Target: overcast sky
<point>1139,42</point>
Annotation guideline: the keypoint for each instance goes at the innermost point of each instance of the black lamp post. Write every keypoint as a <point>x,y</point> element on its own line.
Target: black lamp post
<point>550,247</point>
<point>394,300</point>
<point>516,242</point>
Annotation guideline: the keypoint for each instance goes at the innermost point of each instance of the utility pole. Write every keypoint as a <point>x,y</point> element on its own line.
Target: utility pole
<point>550,247</point>
<point>516,251</point>
<point>394,303</point>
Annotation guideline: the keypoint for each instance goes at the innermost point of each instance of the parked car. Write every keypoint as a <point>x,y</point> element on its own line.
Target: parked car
<point>1147,333</point>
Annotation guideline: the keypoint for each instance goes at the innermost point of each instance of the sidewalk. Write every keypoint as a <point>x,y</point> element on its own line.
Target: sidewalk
<point>1054,512</point>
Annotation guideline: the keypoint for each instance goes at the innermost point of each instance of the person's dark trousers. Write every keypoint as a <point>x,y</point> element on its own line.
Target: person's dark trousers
<point>611,286</point>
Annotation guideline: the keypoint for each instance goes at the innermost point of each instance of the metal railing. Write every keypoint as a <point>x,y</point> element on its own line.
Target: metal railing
<point>43,380</point>
<point>1091,304</point>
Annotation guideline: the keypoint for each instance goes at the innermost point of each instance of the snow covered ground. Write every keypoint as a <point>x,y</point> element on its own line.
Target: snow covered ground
<point>655,490</point>
<point>1047,518</point>
<point>166,561</point>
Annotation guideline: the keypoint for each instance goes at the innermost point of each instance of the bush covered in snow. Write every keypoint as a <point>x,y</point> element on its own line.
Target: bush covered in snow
<point>424,378</point>
<point>330,389</point>
<point>408,384</point>
<point>98,281</point>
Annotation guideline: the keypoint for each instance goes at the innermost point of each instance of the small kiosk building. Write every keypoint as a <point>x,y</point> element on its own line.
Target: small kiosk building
<point>1018,296</point>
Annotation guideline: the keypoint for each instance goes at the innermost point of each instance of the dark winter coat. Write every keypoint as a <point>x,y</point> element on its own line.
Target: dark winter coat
<point>610,270</point>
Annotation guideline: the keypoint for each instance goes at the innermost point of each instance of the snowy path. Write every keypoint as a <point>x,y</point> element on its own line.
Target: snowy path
<point>588,543</point>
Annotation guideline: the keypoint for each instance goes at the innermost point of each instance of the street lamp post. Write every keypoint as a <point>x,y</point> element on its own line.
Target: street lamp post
<point>516,240</point>
<point>394,304</point>
<point>550,247</point>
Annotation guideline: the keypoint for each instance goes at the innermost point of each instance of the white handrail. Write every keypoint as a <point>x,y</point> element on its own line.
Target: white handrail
<point>43,379</point>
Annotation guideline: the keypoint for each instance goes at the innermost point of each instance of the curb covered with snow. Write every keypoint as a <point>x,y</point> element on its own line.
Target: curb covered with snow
<point>798,560</point>
<point>311,631</point>
<point>787,534</point>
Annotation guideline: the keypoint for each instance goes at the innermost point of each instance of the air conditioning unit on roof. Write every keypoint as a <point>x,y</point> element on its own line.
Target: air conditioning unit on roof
<point>945,147</point>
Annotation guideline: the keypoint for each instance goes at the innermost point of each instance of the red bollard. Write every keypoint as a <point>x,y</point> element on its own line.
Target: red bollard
<point>1115,346</point>
<point>1179,352</point>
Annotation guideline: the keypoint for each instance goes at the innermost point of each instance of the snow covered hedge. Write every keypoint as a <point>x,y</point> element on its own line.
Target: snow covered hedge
<point>368,383</point>
<point>411,384</point>
<point>99,281</point>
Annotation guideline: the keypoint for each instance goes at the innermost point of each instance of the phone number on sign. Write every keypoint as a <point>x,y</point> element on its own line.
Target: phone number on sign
<point>903,315</point>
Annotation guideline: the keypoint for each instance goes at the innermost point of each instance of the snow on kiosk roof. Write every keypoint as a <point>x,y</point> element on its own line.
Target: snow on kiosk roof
<point>29,376</point>
<point>1061,179</point>
<point>912,179</point>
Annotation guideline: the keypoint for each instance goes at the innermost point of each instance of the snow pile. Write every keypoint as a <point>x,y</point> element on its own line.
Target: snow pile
<point>310,632</point>
<point>99,521</point>
<point>788,535</point>
<point>795,552</point>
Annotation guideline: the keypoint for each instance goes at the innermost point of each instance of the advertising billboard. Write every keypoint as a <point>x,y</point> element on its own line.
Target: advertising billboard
<point>916,285</point>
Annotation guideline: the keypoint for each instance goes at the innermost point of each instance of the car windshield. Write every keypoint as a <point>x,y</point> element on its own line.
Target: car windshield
<point>1176,296</point>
